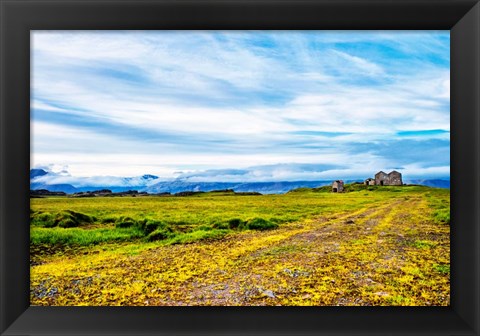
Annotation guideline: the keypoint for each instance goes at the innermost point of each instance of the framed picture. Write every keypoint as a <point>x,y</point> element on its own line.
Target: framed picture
<point>213,57</point>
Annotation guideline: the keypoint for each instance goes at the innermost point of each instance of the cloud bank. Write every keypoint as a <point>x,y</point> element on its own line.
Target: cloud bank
<point>252,105</point>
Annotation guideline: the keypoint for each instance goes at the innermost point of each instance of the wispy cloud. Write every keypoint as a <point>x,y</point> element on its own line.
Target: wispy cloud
<point>130,103</point>
<point>358,65</point>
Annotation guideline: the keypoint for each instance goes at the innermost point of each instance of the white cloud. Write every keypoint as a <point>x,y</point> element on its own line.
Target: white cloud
<point>156,102</point>
<point>358,64</point>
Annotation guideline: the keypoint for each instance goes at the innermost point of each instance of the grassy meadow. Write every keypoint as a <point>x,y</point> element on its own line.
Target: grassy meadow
<point>366,246</point>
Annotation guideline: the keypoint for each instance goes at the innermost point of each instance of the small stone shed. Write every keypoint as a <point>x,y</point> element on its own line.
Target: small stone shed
<point>392,178</point>
<point>369,181</point>
<point>337,186</point>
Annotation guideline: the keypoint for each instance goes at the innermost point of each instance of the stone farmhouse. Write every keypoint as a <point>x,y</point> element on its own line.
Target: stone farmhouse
<point>337,186</point>
<point>382,178</point>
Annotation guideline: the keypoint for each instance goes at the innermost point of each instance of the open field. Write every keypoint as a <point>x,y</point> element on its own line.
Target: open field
<point>375,246</point>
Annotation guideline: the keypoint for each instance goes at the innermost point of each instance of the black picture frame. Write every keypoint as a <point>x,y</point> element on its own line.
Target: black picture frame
<point>19,17</point>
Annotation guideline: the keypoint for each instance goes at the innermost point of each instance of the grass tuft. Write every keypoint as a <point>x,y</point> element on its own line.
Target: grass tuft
<point>260,224</point>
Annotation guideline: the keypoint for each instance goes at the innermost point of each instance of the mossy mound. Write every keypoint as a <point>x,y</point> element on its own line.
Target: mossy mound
<point>151,225</point>
<point>125,222</point>
<point>235,223</point>
<point>160,234</point>
<point>64,219</point>
<point>260,224</point>
<point>69,218</point>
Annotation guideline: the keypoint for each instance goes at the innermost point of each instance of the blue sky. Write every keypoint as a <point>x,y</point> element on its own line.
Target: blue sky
<point>241,106</point>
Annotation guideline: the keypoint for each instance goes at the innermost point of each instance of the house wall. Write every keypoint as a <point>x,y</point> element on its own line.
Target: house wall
<point>381,177</point>
<point>395,178</point>
<point>337,186</point>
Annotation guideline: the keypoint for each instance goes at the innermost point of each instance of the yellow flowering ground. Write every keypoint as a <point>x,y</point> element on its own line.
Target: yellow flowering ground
<point>369,246</point>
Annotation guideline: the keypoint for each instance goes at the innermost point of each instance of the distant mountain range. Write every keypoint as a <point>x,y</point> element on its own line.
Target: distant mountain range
<point>436,183</point>
<point>261,187</point>
<point>41,179</point>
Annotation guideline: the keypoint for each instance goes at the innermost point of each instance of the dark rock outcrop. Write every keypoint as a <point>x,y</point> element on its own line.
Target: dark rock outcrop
<point>45,192</point>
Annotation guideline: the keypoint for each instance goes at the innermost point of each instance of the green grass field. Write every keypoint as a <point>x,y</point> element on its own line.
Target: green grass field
<point>367,246</point>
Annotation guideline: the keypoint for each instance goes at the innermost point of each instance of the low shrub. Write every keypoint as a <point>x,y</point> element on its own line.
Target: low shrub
<point>63,219</point>
<point>125,222</point>
<point>221,226</point>
<point>235,223</point>
<point>151,225</point>
<point>160,234</point>
<point>109,220</point>
<point>67,222</point>
<point>43,219</point>
<point>442,216</point>
<point>123,219</point>
<point>69,219</point>
<point>80,217</point>
<point>260,224</point>
<point>444,269</point>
